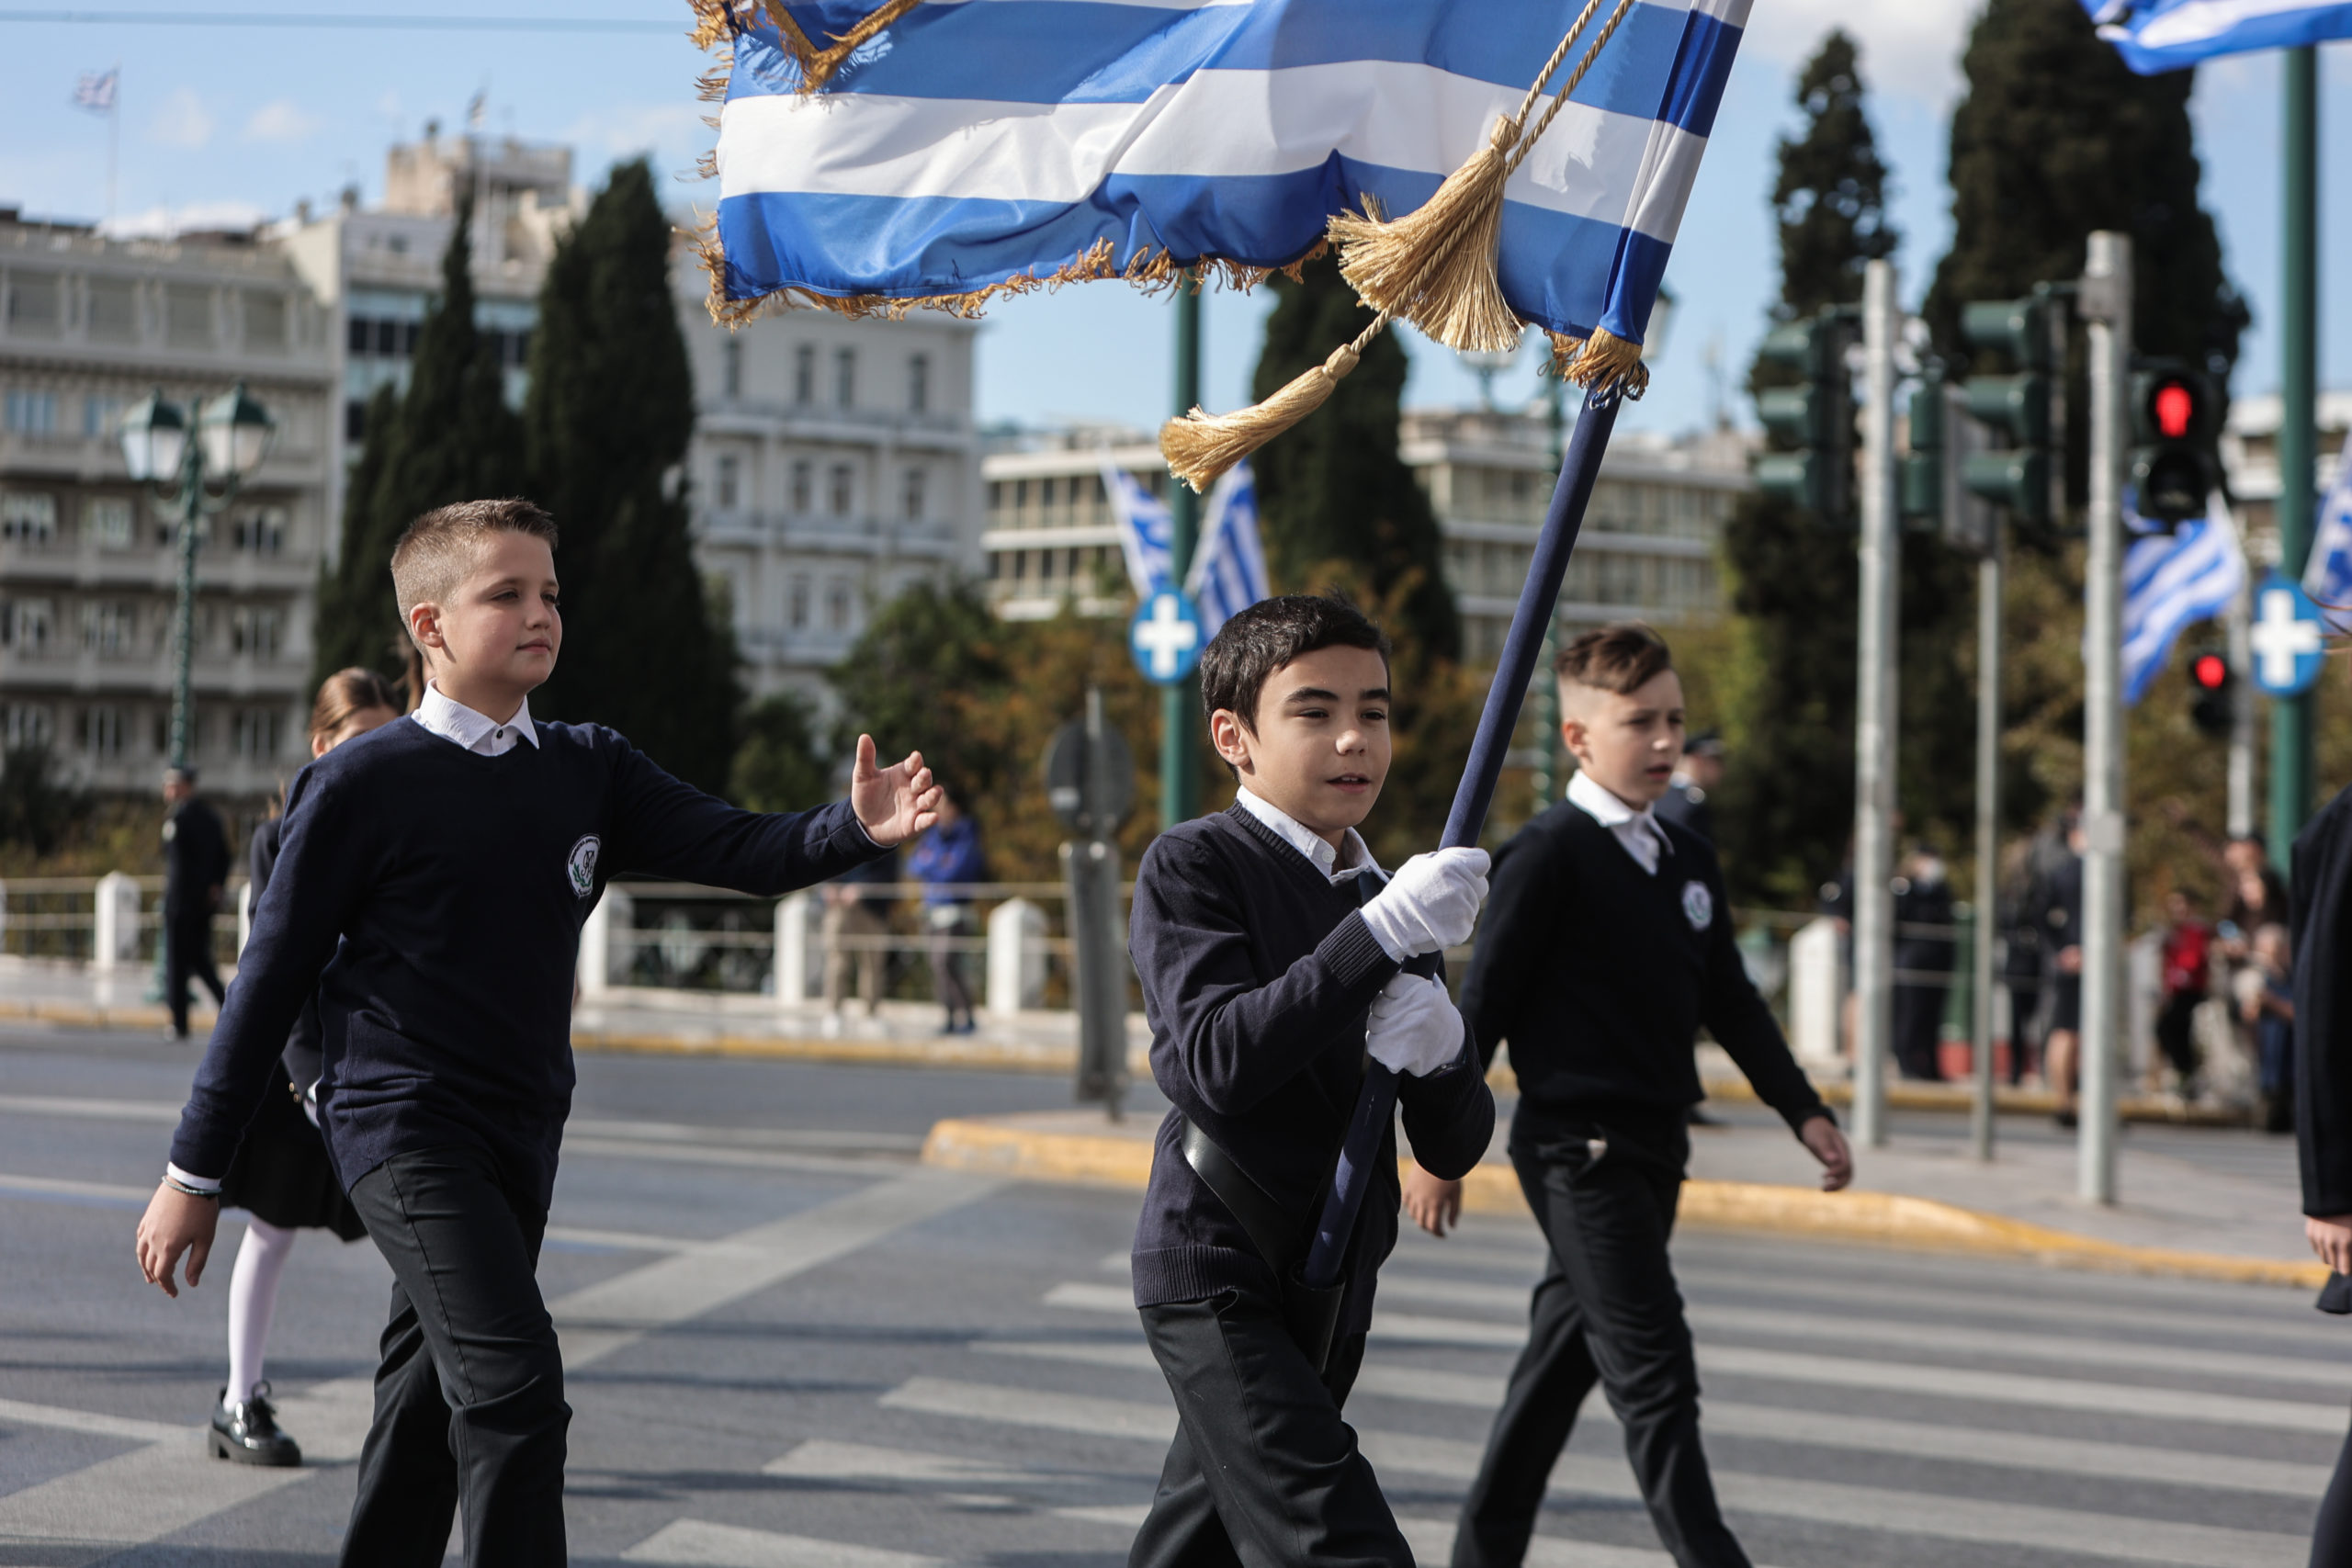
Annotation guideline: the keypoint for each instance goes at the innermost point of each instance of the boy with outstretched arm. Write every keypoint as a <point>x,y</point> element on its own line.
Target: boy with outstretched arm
<point>1272,952</point>
<point>437,871</point>
<point>1607,946</point>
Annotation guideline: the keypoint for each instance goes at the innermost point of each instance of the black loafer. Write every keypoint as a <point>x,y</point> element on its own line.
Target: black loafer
<point>246,1432</point>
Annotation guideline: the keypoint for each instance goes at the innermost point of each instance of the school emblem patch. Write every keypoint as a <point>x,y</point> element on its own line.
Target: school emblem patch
<point>580,865</point>
<point>1698,905</point>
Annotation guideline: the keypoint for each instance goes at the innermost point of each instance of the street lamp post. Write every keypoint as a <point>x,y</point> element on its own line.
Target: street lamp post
<point>232,435</point>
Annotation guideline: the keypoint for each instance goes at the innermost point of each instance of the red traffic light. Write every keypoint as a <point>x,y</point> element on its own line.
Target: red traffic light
<point>2175,406</point>
<point>2209,670</point>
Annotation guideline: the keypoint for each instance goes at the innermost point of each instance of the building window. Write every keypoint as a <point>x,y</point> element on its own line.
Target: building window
<point>256,732</point>
<point>26,624</point>
<point>845,378</point>
<point>919,384</point>
<point>114,310</point>
<point>359,335</point>
<point>265,322</point>
<point>99,416</point>
<point>258,630</point>
<point>804,374</point>
<point>102,730</point>
<point>188,315</point>
<point>261,531</point>
<point>797,603</point>
<point>109,520</point>
<point>803,486</point>
<point>910,495</point>
<point>30,413</point>
<point>731,365</point>
<point>33,304</point>
<point>28,724</point>
<point>837,606</point>
<point>107,627</point>
<point>27,517</point>
<point>841,492</point>
<point>729,481</point>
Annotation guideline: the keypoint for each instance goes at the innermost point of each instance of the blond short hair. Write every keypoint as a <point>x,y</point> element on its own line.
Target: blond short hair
<point>439,549</point>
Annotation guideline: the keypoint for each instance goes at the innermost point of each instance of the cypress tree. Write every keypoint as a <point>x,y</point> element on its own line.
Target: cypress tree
<point>449,437</point>
<point>1333,491</point>
<point>606,426</point>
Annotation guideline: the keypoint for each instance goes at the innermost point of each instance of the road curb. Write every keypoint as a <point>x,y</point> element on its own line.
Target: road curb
<point>1124,1160</point>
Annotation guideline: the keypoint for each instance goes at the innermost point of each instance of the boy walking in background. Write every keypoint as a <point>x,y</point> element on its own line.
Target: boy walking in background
<point>1608,945</point>
<point>1272,953</point>
<point>454,857</point>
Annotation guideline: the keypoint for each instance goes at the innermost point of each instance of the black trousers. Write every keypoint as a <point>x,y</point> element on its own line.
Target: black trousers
<point>187,955</point>
<point>469,1392</point>
<point>1918,1030</point>
<point>2177,1032</point>
<point>2332,1537</point>
<point>1264,1471</point>
<point>1606,1310</point>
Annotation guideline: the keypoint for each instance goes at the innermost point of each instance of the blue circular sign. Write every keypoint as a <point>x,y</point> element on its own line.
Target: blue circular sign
<point>1166,636</point>
<point>2289,638</point>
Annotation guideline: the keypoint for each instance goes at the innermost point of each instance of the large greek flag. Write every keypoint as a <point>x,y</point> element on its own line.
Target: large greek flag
<point>1228,572</point>
<point>2327,579</point>
<point>978,144</point>
<point>2170,582</point>
<point>2167,34</point>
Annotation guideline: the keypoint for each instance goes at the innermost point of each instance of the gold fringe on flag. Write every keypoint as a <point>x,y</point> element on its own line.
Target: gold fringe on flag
<point>818,65</point>
<point>1599,363</point>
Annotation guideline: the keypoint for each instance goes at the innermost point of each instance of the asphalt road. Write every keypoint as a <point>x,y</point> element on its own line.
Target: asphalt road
<point>790,1345</point>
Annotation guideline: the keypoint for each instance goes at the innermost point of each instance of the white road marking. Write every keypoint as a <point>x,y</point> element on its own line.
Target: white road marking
<point>691,1543</point>
<point>52,1416</point>
<point>1035,1407</point>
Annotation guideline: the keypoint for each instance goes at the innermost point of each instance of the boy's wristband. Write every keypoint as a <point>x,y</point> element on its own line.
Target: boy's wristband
<point>179,1180</point>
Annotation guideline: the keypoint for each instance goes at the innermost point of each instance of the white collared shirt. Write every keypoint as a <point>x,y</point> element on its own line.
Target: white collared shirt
<point>1637,830</point>
<point>452,720</point>
<point>1339,865</point>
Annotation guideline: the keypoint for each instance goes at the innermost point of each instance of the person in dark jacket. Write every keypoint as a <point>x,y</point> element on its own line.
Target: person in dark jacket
<point>1686,801</point>
<point>430,887</point>
<point>1272,952</point>
<point>195,871</point>
<point>1924,950</point>
<point>280,1176</point>
<point>947,861</point>
<point>2321,898</point>
<point>1607,945</point>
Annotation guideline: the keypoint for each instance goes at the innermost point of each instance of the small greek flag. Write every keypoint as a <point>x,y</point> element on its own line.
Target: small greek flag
<point>2171,581</point>
<point>2327,579</point>
<point>95,90</point>
<point>950,151</point>
<point>1228,572</point>
<point>2169,35</point>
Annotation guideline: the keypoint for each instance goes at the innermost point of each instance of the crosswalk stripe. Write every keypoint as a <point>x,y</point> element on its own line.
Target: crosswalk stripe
<point>691,1543</point>
<point>90,1421</point>
<point>1034,1407</point>
<point>1135,1357</point>
<point>1084,1297</point>
<point>825,1458</point>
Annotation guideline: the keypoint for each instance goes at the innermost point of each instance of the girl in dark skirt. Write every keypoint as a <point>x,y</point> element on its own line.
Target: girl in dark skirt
<point>280,1176</point>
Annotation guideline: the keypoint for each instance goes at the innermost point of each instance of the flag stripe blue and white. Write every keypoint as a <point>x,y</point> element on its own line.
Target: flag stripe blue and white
<point>979,141</point>
<point>1228,572</point>
<point>95,90</point>
<point>2328,577</point>
<point>1147,530</point>
<point>2169,35</point>
<point>2170,582</point>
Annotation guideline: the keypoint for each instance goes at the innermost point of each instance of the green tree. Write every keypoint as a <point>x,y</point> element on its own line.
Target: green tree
<point>779,764</point>
<point>449,437</point>
<point>606,425</point>
<point>1333,488</point>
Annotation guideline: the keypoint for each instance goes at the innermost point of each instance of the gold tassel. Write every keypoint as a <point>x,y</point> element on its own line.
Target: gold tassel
<point>1201,446</point>
<point>1602,362</point>
<point>1435,266</point>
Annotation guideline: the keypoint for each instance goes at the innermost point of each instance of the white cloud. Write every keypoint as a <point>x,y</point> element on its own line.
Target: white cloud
<point>183,121</point>
<point>1908,50</point>
<point>163,222</point>
<point>280,120</point>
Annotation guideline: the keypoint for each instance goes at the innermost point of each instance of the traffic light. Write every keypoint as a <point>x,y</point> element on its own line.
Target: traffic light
<point>1813,422</point>
<point>2172,457</point>
<point>1922,487</point>
<point>2018,405</point>
<point>2212,687</point>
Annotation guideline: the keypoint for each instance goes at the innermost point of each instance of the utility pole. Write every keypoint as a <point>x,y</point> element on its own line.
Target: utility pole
<point>1180,702</point>
<point>2238,623</point>
<point>2290,717</point>
<point>1875,707</point>
<point>1988,841</point>
<point>2106,302</point>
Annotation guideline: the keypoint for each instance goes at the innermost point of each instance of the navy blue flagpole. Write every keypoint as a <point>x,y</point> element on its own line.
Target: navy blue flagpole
<point>1378,1102</point>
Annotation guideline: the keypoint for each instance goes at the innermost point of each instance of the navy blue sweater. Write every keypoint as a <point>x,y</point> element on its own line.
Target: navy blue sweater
<point>1258,974</point>
<point>458,883</point>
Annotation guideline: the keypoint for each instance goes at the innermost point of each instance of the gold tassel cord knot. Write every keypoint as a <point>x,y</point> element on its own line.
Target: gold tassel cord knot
<point>1201,446</point>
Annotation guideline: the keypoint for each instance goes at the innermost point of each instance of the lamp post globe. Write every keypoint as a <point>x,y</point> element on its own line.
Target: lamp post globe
<point>235,431</point>
<point>154,439</point>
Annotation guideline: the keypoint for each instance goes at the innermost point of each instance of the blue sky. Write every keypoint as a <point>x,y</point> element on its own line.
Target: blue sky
<point>230,123</point>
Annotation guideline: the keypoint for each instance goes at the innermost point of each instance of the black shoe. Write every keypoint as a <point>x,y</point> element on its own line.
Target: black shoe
<point>2065,1120</point>
<point>247,1432</point>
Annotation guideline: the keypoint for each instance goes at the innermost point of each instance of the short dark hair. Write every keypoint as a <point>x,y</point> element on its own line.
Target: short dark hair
<point>439,549</point>
<point>1622,658</point>
<point>1252,645</point>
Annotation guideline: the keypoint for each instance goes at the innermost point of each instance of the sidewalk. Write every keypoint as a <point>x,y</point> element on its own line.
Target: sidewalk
<point>2228,1212</point>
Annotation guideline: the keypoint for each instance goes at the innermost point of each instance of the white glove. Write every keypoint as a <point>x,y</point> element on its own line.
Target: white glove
<point>1415,1029</point>
<point>1429,905</point>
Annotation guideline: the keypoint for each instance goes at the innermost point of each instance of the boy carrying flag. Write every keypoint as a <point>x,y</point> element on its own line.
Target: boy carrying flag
<point>1272,952</point>
<point>437,871</point>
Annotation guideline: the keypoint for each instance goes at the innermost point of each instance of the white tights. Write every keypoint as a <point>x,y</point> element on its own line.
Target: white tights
<point>252,1298</point>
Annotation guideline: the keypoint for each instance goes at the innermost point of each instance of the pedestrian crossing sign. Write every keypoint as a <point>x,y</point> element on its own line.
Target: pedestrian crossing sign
<point>2289,639</point>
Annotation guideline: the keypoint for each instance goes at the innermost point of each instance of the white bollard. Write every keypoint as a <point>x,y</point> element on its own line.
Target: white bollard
<point>1816,993</point>
<point>615,911</point>
<point>115,931</point>
<point>244,897</point>
<point>1016,957</point>
<point>796,928</point>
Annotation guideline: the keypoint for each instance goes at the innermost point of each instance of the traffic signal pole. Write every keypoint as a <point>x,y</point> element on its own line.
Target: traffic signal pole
<point>1875,708</point>
<point>2106,302</point>
<point>1988,846</point>
<point>1180,784</point>
<point>2290,717</point>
